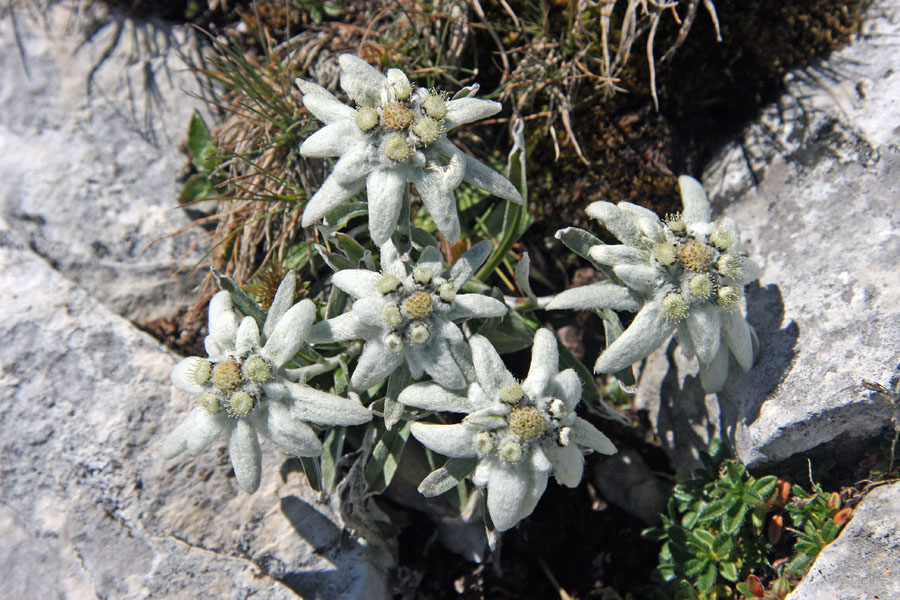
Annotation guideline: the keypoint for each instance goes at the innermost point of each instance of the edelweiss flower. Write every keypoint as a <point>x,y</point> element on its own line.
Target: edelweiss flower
<point>684,275</point>
<point>395,135</point>
<point>241,390</point>
<point>407,314</point>
<point>519,433</point>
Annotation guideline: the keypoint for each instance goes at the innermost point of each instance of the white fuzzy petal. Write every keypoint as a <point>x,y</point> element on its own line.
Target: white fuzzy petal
<point>437,361</point>
<point>246,458</point>
<point>617,255</point>
<point>586,435</point>
<point>567,386</point>
<point>696,206</point>
<point>340,328</point>
<point>359,283</point>
<point>619,223</point>
<point>385,192</point>
<point>714,374</point>
<point>736,333</point>
<point>437,196</point>
<point>223,322</point>
<point>375,363</point>
<point>747,272</point>
<point>604,294</point>
<point>647,332</point>
<point>284,299</point>
<point>641,278</point>
<point>470,262</point>
<point>330,195</point>
<point>289,333</point>
<point>295,437</point>
<point>362,82</point>
<point>483,177</point>
<point>183,375</point>
<point>513,492</point>
<point>468,110</point>
<point>455,441</point>
<point>467,306</point>
<point>544,363</point>
<point>432,396</point>
<point>195,433</point>
<point>647,220</point>
<point>322,104</point>
<point>705,328</point>
<point>314,406</point>
<point>331,140</point>
<point>568,464</point>
<point>247,338</point>
<point>490,371</point>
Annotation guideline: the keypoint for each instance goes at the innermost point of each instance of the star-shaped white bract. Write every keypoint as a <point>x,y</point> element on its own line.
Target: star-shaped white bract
<point>519,432</point>
<point>395,135</point>
<point>684,275</point>
<point>240,389</point>
<point>407,313</point>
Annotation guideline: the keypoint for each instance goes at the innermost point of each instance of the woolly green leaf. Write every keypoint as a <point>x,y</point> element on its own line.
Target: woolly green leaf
<point>333,447</point>
<point>243,301</point>
<point>313,472</point>
<point>386,456</point>
<point>339,217</point>
<point>728,571</point>
<point>447,477</point>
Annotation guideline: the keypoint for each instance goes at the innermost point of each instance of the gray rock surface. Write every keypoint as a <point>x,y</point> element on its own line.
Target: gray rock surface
<point>863,563</point>
<point>90,180</point>
<point>88,508</point>
<point>823,224</point>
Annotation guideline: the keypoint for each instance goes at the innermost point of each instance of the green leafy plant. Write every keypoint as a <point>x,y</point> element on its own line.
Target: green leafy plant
<point>723,532</point>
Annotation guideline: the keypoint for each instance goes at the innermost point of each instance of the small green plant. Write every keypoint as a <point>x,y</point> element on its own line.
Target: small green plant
<point>723,532</point>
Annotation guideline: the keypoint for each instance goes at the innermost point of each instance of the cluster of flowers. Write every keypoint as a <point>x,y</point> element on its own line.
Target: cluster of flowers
<point>683,274</point>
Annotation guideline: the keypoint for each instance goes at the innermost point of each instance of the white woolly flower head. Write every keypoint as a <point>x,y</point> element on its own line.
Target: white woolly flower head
<point>407,313</point>
<point>685,273</point>
<point>395,134</point>
<point>518,432</point>
<point>240,388</point>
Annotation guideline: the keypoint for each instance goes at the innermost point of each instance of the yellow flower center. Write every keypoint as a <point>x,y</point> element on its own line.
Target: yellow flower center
<point>418,306</point>
<point>674,306</point>
<point>256,369</point>
<point>202,370</point>
<point>208,402</point>
<point>396,148</point>
<point>226,375</point>
<point>695,256</point>
<point>527,423</point>
<point>435,107</point>
<point>241,404</point>
<point>366,118</point>
<point>396,116</point>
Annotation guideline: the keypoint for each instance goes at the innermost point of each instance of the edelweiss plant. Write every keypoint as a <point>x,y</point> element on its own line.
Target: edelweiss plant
<point>396,134</point>
<point>518,432</point>
<point>241,388</point>
<point>407,313</point>
<point>684,275</point>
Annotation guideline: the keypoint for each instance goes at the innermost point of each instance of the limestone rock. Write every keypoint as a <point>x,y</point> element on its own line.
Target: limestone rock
<point>863,563</point>
<point>88,505</point>
<point>823,225</point>
<point>89,180</point>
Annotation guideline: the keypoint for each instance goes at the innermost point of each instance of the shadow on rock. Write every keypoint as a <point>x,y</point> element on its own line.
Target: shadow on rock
<point>745,393</point>
<point>346,574</point>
